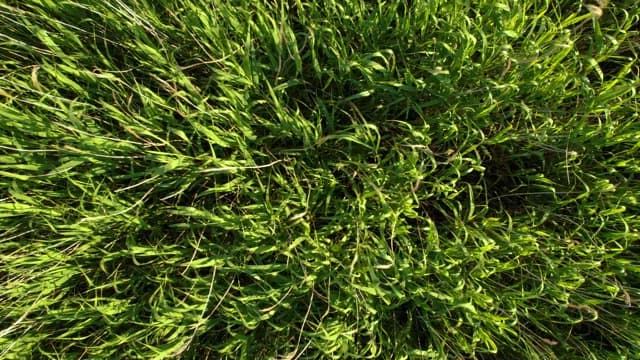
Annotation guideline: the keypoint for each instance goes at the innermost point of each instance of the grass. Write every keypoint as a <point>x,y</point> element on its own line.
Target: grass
<point>336,179</point>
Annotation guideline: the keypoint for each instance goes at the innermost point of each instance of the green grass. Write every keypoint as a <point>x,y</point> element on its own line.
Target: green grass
<point>334,179</point>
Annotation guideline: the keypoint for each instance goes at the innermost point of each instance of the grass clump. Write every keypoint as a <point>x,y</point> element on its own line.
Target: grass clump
<point>341,179</point>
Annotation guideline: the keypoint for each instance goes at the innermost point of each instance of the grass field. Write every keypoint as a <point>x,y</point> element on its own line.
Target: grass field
<point>207,179</point>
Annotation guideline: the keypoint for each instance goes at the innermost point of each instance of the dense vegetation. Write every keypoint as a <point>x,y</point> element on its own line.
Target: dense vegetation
<point>332,179</point>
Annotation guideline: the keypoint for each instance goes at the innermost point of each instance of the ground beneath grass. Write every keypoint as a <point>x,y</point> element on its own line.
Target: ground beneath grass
<point>341,179</point>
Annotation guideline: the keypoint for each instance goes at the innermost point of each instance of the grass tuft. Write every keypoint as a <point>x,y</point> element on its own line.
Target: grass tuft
<point>341,179</point>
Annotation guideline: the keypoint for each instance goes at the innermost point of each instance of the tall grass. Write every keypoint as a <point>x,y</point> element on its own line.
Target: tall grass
<point>336,179</point>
